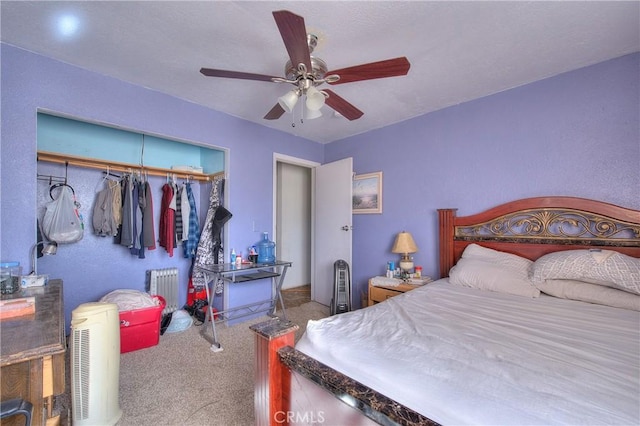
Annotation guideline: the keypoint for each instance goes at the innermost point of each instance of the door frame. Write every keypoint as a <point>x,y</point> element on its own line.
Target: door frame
<point>283,158</point>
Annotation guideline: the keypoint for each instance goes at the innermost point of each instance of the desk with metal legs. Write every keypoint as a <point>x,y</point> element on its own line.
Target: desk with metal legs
<point>232,274</point>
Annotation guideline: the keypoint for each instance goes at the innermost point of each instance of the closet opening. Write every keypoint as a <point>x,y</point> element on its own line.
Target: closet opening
<point>90,157</point>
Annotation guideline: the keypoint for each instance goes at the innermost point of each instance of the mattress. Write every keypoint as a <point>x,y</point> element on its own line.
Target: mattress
<point>466,356</point>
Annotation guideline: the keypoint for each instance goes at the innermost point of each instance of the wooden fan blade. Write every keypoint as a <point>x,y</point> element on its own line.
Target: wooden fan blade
<point>382,69</point>
<point>294,35</point>
<point>343,107</point>
<point>275,113</point>
<point>209,72</point>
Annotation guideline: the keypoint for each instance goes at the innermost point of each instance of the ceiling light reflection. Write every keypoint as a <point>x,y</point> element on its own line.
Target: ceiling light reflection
<point>68,25</point>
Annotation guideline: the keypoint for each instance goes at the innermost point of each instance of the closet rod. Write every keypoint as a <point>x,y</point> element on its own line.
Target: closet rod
<point>93,163</point>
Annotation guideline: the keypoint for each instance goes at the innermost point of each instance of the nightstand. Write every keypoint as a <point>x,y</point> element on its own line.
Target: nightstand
<point>379,294</point>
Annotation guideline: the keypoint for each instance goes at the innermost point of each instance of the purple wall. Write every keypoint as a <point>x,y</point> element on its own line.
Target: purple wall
<point>574,134</point>
<point>91,268</point>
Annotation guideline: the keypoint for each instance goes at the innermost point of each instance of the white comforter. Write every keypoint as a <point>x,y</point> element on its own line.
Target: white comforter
<point>465,356</point>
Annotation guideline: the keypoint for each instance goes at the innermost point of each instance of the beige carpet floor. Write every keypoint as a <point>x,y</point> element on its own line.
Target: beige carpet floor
<point>181,381</point>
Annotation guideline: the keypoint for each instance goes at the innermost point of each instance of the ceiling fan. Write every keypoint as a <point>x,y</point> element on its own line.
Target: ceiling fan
<point>306,72</point>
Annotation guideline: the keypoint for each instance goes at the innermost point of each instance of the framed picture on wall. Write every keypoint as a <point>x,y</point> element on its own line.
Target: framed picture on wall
<point>366,197</point>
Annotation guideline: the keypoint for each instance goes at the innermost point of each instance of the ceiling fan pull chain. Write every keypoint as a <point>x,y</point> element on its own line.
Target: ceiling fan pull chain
<point>293,117</point>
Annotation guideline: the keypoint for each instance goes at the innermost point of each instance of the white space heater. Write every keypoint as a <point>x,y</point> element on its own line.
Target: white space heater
<point>164,282</point>
<point>95,364</point>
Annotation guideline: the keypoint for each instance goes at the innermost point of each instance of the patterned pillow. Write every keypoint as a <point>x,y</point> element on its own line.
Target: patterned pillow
<point>602,267</point>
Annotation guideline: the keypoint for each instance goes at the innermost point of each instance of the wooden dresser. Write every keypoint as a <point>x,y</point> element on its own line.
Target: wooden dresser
<point>32,350</point>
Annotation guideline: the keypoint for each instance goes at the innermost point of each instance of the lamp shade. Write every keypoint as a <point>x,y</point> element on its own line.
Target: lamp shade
<point>50,249</point>
<point>404,243</point>
<point>315,99</point>
<point>310,114</point>
<point>288,100</point>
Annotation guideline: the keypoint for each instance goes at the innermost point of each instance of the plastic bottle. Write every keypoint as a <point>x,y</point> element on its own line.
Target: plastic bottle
<point>266,249</point>
<point>253,254</point>
<point>233,256</point>
<point>390,267</point>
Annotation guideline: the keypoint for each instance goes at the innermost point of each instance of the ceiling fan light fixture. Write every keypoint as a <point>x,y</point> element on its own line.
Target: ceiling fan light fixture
<point>288,100</point>
<point>307,72</point>
<point>311,114</point>
<point>315,99</point>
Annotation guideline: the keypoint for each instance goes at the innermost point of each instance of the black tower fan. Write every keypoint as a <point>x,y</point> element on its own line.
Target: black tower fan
<point>341,301</point>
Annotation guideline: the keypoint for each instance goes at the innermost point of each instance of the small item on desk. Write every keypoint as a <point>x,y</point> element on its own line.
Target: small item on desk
<point>239,259</point>
<point>34,280</point>
<point>419,281</point>
<point>418,272</point>
<point>10,273</point>
<point>233,256</point>
<point>385,281</point>
<point>12,308</point>
<point>253,255</point>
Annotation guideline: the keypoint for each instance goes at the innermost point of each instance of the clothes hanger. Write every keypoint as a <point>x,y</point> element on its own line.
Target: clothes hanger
<point>58,185</point>
<point>102,181</point>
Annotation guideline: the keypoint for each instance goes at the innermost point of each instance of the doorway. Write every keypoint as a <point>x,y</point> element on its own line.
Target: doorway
<point>293,217</point>
<point>323,193</point>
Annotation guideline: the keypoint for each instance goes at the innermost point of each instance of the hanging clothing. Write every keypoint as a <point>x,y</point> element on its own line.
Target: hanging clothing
<point>210,250</point>
<point>167,225</point>
<point>116,198</point>
<point>127,231</point>
<point>102,217</point>
<point>136,231</point>
<point>185,209</point>
<point>148,228</point>
<point>117,239</point>
<point>191,244</point>
<point>179,221</point>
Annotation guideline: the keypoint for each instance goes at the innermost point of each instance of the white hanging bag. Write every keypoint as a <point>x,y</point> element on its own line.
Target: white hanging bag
<point>62,223</point>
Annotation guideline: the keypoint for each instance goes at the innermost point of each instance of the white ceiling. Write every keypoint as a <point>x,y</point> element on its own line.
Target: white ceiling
<point>458,51</point>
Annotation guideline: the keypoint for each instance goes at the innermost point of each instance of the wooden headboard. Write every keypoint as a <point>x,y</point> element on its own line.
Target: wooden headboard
<point>533,227</point>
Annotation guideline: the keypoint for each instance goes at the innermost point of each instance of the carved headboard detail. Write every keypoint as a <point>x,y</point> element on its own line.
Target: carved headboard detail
<point>536,226</point>
<point>563,226</point>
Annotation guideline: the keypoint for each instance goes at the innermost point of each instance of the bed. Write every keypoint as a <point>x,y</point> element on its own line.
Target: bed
<point>484,344</point>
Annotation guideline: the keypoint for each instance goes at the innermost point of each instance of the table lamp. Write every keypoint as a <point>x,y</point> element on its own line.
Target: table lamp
<point>405,245</point>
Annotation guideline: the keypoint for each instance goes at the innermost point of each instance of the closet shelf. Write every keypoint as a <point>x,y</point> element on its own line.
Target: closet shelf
<point>94,163</point>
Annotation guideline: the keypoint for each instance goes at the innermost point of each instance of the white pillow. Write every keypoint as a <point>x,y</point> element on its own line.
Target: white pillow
<point>493,270</point>
<point>603,267</point>
<point>512,261</point>
<point>592,293</point>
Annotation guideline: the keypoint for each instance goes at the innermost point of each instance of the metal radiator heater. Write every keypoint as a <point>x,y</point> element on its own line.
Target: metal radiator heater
<point>164,282</point>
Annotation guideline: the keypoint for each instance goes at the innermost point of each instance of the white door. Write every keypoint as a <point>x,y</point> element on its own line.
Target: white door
<point>332,229</point>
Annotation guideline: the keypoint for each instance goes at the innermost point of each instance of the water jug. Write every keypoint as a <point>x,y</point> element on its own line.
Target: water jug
<point>266,249</point>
